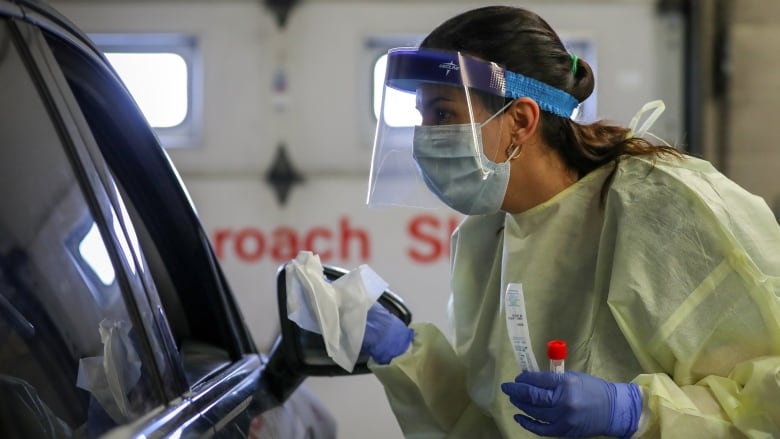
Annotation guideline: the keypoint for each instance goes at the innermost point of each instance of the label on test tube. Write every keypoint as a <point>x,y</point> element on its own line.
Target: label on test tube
<point>517,327</point>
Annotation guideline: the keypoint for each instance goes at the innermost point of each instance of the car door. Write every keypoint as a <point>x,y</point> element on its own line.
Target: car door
<point>199,370</point>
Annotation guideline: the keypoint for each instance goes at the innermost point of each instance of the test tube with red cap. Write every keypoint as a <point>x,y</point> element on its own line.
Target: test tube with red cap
<point>556,351</point>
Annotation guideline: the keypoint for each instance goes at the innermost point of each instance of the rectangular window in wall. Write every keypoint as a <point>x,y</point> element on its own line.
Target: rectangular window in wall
<point>162,72</point>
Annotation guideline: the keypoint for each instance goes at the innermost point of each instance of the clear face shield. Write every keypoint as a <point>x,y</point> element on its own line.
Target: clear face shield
<point>441,136</point>
<point>426,88</point>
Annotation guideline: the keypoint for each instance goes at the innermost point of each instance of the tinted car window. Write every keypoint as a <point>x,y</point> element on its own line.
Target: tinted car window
<point>70,361</point>
<point>184,274</point>
<point>180,271</point>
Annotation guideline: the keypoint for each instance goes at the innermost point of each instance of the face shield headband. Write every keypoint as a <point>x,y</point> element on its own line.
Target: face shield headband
<point>409,67</point>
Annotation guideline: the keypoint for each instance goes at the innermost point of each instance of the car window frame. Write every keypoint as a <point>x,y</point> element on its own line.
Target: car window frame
<point>146,156</point>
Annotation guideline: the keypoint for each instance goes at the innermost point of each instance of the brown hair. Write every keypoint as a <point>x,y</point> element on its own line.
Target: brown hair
<point>524,43</point>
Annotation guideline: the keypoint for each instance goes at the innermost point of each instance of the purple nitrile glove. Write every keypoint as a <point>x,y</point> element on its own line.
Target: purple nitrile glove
<point>386,335</point>
<point>574,404</point>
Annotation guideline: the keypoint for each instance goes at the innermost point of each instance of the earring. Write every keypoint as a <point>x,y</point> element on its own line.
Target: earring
<point>513,151</point>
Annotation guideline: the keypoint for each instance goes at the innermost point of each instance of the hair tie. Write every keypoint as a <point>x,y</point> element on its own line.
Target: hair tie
<point>574,60</point>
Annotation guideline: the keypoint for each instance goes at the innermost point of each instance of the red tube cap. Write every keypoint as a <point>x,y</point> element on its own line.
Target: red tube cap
<point>556,349</point>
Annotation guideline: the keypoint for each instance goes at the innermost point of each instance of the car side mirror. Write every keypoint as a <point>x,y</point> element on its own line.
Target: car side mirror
<point>299,353</point>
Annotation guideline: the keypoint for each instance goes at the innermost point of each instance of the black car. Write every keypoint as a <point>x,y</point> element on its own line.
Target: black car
<point>115,318</point>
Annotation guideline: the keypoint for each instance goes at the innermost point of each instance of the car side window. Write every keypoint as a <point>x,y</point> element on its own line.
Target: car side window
<point>185,276</point>
<point>70,360</point>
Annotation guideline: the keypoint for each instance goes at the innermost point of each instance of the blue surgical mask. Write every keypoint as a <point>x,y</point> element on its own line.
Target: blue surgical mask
<point>450,167</point>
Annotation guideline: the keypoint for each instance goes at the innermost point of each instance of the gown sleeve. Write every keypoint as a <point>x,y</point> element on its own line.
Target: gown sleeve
<point>692,263</point>
<point>426,388</point>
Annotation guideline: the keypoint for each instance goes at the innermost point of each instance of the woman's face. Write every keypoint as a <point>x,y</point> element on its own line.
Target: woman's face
<point>446,105</point>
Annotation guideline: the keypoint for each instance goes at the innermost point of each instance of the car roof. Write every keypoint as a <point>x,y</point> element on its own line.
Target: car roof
<point>41,14</point>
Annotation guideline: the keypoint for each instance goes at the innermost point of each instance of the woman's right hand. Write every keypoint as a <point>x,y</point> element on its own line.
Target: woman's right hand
<point>386,336</point>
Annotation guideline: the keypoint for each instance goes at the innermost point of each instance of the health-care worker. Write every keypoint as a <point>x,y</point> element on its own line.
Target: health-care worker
<point>660,273</point>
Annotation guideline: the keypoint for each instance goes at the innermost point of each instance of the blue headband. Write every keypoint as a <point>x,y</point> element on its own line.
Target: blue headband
<point>408,67</point>
<point>549,98</point>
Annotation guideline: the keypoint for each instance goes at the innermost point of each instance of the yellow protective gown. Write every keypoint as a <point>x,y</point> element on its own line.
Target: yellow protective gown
<point>669,281</point>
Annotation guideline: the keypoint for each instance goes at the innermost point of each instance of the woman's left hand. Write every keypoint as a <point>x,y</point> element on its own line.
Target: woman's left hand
<point>574,404</point>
